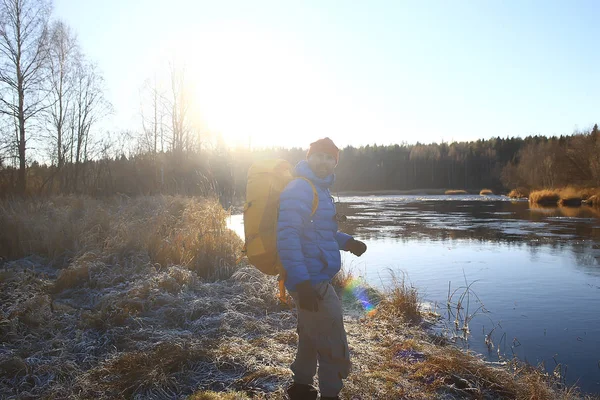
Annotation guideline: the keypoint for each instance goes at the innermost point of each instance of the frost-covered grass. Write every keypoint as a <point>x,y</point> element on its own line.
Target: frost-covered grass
<point>140,299</point>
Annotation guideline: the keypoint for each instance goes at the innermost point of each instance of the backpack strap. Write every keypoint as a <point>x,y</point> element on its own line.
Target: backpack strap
<point>315,202</point>
<point>282,276</point>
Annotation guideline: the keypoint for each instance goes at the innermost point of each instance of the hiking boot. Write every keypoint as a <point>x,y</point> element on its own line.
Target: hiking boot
<point>298,391</point>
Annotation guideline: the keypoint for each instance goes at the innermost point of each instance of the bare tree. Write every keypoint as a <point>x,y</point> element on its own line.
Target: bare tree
<point>179,105</point>
<point>7,151</point>
<point>23,53</point>
<point>62,63</point>
<point>582,153</point>
<point>153,113</point>
<point>89,106</point>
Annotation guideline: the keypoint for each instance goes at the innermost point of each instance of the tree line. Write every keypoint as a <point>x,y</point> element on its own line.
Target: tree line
<point>52,98</point>
<point>556,162</point>
<point>499,164</point>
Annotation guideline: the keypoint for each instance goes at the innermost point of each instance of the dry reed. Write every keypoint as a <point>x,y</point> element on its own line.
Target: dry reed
<point>519,193</point>
<point>544,197</point>
<point>164,230</point>
<point>401,301</point>
<point>568,196</point>
<point>594,200</point>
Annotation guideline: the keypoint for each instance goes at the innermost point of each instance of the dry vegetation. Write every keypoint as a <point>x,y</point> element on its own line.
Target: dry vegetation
<point>137,299</point>
<point>486,192</point>
<point>594,200</point>
<point>567,197</point>
<point>75,232</point>
<point>519,193</point>
<point>448,192</point>
<point>544,197</point>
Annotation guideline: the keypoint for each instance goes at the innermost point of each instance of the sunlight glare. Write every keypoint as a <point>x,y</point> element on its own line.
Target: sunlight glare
<point>255,89</point>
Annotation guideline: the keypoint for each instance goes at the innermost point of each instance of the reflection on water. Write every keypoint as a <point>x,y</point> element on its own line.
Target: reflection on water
<point>537,270</point>
<point>513,223</point>
<point>503,221</point>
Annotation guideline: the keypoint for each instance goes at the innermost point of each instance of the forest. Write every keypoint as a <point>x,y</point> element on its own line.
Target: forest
<point>52,103</point>
<point>534,162</point>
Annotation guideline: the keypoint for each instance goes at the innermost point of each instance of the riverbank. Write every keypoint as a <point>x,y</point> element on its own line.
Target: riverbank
<point>141,298</point>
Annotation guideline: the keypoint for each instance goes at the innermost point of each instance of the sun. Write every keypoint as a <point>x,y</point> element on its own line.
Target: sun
<point>256,88</point>
<point>247,87</point>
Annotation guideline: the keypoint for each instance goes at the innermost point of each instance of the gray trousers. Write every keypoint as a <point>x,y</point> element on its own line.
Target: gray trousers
<point>322,337</point>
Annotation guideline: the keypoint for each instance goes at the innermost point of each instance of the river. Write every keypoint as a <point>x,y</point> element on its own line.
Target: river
<point>527,279</point>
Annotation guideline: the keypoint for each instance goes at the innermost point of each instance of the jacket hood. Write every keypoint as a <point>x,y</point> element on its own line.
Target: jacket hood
<point>303,169</point>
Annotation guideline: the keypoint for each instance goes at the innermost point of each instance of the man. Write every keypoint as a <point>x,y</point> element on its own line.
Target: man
<point>309,248</point>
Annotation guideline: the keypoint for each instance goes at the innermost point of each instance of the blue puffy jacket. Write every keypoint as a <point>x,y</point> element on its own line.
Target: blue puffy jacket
<point>309,247</point>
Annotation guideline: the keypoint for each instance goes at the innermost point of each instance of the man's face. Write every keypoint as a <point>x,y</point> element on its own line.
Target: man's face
<point>322,164</point>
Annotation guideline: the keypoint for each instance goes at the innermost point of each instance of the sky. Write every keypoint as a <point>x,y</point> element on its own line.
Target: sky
<point>284,73</point>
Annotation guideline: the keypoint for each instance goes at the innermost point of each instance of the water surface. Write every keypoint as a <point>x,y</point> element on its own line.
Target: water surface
<point>534,273</point>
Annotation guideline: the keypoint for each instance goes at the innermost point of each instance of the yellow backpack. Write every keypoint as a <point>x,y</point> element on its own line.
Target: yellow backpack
<point>266,181</point>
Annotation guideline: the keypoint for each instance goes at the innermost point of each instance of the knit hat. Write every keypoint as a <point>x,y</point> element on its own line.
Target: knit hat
<point>324,146</point>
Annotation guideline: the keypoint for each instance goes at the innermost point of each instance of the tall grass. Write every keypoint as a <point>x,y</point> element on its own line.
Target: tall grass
<point>163,230</point>
<point>568,196</point>
<point>544,197</point>
<point>519,193</point>
<point>594,200</point>
<point>401,300</point>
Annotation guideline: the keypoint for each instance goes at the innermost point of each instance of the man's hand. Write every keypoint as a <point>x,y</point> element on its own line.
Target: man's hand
<point>307,296</point>
<point>356,247</point>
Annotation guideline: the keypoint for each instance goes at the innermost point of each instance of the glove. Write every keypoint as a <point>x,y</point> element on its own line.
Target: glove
<point>356,247</point>
<point>307,296</point>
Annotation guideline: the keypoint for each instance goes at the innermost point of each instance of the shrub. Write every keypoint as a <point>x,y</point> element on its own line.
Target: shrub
<point>568,196</point>
<point>544,197</point>
<point>519,193</point>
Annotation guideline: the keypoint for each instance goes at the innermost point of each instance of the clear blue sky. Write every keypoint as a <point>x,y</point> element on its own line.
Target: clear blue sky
<point>286,72</point>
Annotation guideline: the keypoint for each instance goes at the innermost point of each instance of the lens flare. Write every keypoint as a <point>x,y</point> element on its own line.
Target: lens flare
<point>356,288</point>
